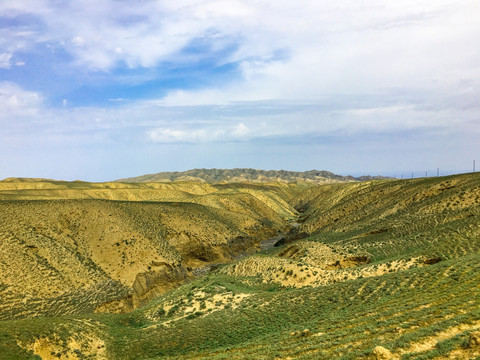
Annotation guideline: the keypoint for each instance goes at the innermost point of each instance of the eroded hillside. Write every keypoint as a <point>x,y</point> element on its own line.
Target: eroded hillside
<point>375,270</point>
<point>437,216</point>
<point>69,248</point>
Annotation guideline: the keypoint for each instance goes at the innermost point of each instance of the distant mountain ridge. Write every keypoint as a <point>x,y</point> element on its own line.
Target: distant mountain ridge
<point>252,175</point>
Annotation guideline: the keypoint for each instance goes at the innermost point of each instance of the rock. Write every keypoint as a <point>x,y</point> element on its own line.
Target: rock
<point>149,284</point>
<point>289,252</point>
<point>381,353</point>
<point>306,332</point>
<point>432,260</point>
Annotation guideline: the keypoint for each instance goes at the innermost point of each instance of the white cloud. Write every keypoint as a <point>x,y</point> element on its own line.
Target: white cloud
<point>348,48</point>
<point>163,135</point>
<point>221,9</point>
<point>152,31</point>
<point>303,54</point>
<point>194,98</point>
<point>203,132</point>
<point>5,61</point>
<point>15,101</point>
<point>241,130</point>
<point>78,41</point>
<point>342,47</point>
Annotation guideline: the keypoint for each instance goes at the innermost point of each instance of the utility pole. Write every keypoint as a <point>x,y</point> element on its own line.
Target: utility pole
<point>425,174</point>
<point>438,172</point>
<point>473,165</point>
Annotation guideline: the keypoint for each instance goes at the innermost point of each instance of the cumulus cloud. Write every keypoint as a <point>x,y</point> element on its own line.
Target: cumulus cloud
<point>102,35</point>
<point>241,130</point>
<point>201,133</point>
<point>16,101</point>
<point>346,47</point>
<point>294,69</point>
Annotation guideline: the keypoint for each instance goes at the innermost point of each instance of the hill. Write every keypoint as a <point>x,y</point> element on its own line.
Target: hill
<point>373,270</point>
<point>247,175</point>
<point>75,247</point>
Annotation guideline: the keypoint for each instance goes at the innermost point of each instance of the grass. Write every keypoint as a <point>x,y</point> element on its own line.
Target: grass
<point>351,317</point>
<point>425,311</point>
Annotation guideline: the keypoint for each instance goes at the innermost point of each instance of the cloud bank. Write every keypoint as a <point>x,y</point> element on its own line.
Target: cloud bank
<point>243,75</point>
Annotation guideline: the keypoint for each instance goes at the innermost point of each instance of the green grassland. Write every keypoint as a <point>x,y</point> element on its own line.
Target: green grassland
<point>384,269</point>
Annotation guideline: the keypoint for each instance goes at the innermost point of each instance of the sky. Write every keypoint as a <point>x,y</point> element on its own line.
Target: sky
<point>101,90</point>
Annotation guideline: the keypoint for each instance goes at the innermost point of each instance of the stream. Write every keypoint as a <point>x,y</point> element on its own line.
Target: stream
<point>264,245</point>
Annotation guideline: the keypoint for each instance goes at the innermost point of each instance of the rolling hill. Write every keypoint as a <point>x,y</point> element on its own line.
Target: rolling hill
<point>386,269</point>
<point>114,246</point>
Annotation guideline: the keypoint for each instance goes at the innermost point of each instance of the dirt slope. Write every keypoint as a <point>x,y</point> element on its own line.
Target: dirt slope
<point>104,247</point>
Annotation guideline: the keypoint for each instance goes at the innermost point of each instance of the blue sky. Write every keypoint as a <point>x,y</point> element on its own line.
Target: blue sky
<point>103,90</point>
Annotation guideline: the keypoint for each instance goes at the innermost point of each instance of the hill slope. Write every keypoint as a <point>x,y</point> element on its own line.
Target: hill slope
<point>374,270</point>
<point>70,248</point>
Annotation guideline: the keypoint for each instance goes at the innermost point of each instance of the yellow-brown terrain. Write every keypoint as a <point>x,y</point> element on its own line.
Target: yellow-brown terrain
<point>69,248</point>
<point>385,269</point>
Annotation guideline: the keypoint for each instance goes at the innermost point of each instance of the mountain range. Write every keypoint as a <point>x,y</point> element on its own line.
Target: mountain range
<point>248,175</point>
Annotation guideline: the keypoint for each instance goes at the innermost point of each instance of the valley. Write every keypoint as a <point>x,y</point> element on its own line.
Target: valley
<point>378,269</point>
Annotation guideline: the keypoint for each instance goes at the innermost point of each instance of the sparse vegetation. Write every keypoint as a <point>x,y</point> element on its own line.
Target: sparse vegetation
<point>247,175</point>
<point>387,268</point>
